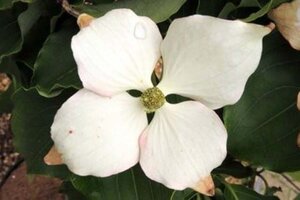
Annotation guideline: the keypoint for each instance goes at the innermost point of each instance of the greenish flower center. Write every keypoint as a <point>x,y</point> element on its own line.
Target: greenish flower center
<point>152,99</point>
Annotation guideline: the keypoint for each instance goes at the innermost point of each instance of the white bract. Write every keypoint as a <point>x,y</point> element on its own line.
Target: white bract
<point>102,130</point>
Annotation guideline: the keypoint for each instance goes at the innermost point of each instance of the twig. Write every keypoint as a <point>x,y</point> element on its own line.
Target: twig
<point>264,180</point>
<point>68,8</point>
<point>291,182</point>
<point>260,171</point>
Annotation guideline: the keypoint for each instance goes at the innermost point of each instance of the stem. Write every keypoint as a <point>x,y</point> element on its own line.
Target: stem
<point>260,171</point>
<point>264,180</point>
<point>290,181</point>
<point>68,8</point>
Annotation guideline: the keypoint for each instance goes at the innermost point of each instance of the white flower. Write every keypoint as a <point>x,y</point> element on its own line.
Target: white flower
<point>287,19</point>
<point>102,130</point>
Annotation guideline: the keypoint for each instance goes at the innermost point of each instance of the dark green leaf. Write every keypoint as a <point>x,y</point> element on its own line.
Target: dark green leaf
<point>240,192</point>
<point>15,25</point>
<point>264,10</point>
<point>211,7</point>
<point>157,10</point>
<point>263,125</point>
<point>5,4</point>
<point>187,194</point>
<point>219,195</point>
<point>227,9</point>
<point>234,168</point>
<point>272,190</point>
<point>33,42</point>
<point>295,175</point>
<point>35,23</point>
<point>131,184</point>
<point>249,10</point>
<point>10,34</point>
<point>72,194</point>
<point>297,197</point>
<point>31,121</point>
<point>55,68</point>
<point>6,104</point>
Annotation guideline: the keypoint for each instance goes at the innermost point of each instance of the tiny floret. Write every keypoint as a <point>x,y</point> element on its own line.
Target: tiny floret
<point>152,99</point>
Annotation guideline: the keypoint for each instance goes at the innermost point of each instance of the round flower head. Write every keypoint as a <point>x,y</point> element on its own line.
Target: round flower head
<point>102,130</point>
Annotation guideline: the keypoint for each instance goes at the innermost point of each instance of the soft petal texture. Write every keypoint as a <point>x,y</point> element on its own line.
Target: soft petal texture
<point>99,135</point>
<point>182,144</point>
<point>287,19</point>
<point>117,52</point>
<point>210,59</point>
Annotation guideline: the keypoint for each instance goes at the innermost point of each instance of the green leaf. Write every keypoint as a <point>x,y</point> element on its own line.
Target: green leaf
<point>31,121</point>
<point>55,68</point>
<point>249,10</point>
<point>187,194</point>
<point>157,10</point>
<point>263,125</point>
<point>295,175</point>
<point>5,4</point>
<point>297,197</point>
<point>211,7</point>
<point>264,10</point>
<point>239,192</point>
<point>9,29</point>
<point>227,9</point>
<point>231,7</point>
<point>15,24</point>
<point>131,184</point>
<point>37,17</point>
<point>69,190</point>
<point>233,168</point>
<point>272,190</point>
<point>6,104</point>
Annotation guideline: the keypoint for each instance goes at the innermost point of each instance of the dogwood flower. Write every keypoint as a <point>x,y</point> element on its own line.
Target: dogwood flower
<point>102,130</point>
